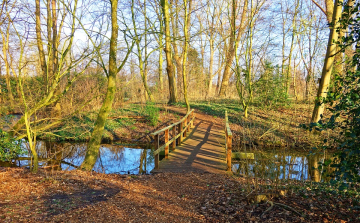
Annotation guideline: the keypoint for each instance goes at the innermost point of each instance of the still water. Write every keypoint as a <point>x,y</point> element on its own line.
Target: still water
<point>283,164</point>
<point>112,158</point>
<point>265,164</point>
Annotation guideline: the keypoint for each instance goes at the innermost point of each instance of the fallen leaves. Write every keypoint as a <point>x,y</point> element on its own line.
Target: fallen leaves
<point>78,196</point>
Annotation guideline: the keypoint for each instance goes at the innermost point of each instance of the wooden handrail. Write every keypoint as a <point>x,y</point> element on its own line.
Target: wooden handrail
<point>228,142</point>
<point>179,132</point>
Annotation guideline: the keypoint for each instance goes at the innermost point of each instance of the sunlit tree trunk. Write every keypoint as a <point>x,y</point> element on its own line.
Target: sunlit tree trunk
<point>292,48</point>
<point>187,9</point>
<point>230,54</point>
<point>330,6</point>
<point>5,43</point>
<point>328,65</point>
<point>161,59</point>
<point>284,32</point>
<point>249,65</point>
<point>209,93</point>
<point>142,62</point>
<point>176,55</point>
<point>240,85</point>
<point>93,146</point>
<point>169,63</point>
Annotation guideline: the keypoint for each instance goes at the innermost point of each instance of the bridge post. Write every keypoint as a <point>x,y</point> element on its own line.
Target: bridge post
<point>228,152</point>
<point>189,123</point>
<point>173,144</point>
<point>180,130</point>
<point>185,125</point>
<point>166,141</point>
<point>228,142</point>
<point>156,145</point>
<point>192,119</point>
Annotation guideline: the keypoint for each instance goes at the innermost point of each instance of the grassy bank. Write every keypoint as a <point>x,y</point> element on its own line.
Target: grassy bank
<point>131,123</point>
<point>268,127</point>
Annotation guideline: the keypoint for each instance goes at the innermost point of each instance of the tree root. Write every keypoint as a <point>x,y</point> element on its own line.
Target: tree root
<point>269,209</point>
<point>282,206</point>
<point>290,208</point>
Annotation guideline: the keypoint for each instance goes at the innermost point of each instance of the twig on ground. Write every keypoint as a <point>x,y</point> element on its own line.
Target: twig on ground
<point>289,208</point>
<point>269,209</point>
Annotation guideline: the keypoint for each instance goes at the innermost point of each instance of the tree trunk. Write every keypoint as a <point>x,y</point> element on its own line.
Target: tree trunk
<point>93,146</point>
<point>291,48</point>
<point>209,94</point>
<point>169,63</point>
<point>186,44</point>
<point>161,59</point>
<point>230,54</point>
<point>5,38</point>
<point>142,62</point>
<point>328,65</point>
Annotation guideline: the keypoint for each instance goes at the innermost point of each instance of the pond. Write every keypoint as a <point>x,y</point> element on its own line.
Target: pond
<point>264,163</point>
<point>112,158</point>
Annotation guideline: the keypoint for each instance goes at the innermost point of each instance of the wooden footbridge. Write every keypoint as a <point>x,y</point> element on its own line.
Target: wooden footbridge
<point>193,145</point>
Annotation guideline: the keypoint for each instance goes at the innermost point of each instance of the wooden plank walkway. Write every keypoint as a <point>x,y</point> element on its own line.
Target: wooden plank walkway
<point>202,151</point>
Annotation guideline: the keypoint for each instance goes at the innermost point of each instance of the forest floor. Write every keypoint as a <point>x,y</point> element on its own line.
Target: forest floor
<point>77,196</point>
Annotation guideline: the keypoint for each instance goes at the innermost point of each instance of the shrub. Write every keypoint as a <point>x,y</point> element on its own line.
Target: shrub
<point>152,113</point>
<point>10,148</point>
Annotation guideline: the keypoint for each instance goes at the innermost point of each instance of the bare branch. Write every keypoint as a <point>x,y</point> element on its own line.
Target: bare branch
<point>319,6</point>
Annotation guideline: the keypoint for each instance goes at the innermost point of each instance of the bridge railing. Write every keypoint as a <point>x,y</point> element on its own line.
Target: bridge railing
<point>179,132</point>
<point>228,142</point>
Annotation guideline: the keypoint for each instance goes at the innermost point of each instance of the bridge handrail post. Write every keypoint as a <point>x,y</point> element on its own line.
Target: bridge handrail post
<point>180,132</point>
<point>192,119</point>
<point>173,144</point>
<point>166,141</point>
<point>228,142</point>
<point>185,126</point>
<point>156,145</point>
<point>189,122</point>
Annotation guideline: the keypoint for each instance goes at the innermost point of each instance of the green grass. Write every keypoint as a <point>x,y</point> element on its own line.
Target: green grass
<point>217,109</point>
<point>78,128</point>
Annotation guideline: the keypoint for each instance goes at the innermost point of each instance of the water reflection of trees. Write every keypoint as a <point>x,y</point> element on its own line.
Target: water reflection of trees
<point>123,160</point>
<point>280,164</point>
<point>112,158</point>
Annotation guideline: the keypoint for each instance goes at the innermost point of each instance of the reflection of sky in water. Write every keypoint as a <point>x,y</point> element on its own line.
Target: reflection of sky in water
<point>112,159</point>
<point>120,160</point>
